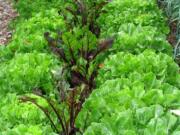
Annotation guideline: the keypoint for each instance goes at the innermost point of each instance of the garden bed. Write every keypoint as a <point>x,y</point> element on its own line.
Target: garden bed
<point>92,68</point>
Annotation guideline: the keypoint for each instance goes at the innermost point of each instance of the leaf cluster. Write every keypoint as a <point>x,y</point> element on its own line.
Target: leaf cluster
<point>27,71</point>
<point>22,119</point>
<point>135,39</point>
<point>137,25</point>
<point>123,64</point>
<point>135,99</point>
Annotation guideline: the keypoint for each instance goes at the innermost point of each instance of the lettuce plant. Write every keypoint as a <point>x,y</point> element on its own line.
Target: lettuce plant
<point>28,36</point>
<point>29,130</point>
<point>139,12</point>
<point>128,106</point>
<point>124,64</point>
<point>18,119</point>
<point>136,26</point>
<point>135,39</point>
<point>27,71</point>
<point>27,8</point>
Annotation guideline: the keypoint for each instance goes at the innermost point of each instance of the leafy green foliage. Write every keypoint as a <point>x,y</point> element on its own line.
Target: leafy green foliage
<point>29,34</point>
<point>172,9</point>
<point>139,12</point>
<point>29,130</point>
<point>25,65</point>
<point>137,25</point>
<point>122,64</point>
<point>22,119</point>
<point>78,47</point>
<point>29,8</point>
<point>136,98</point>
<point>131,106</point>
<point>27,71</point>
<point>81,13</point>
<point>135,92</point>
<point>135,39</point>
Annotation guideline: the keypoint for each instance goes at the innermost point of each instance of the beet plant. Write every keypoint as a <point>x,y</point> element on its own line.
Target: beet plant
<point>80,48</point>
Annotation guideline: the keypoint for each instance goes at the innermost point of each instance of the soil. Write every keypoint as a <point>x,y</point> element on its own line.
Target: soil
<point>7,13</point>
<point>172,35</point>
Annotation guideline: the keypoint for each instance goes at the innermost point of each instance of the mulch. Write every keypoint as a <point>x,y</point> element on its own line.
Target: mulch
<point>7,13</point>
